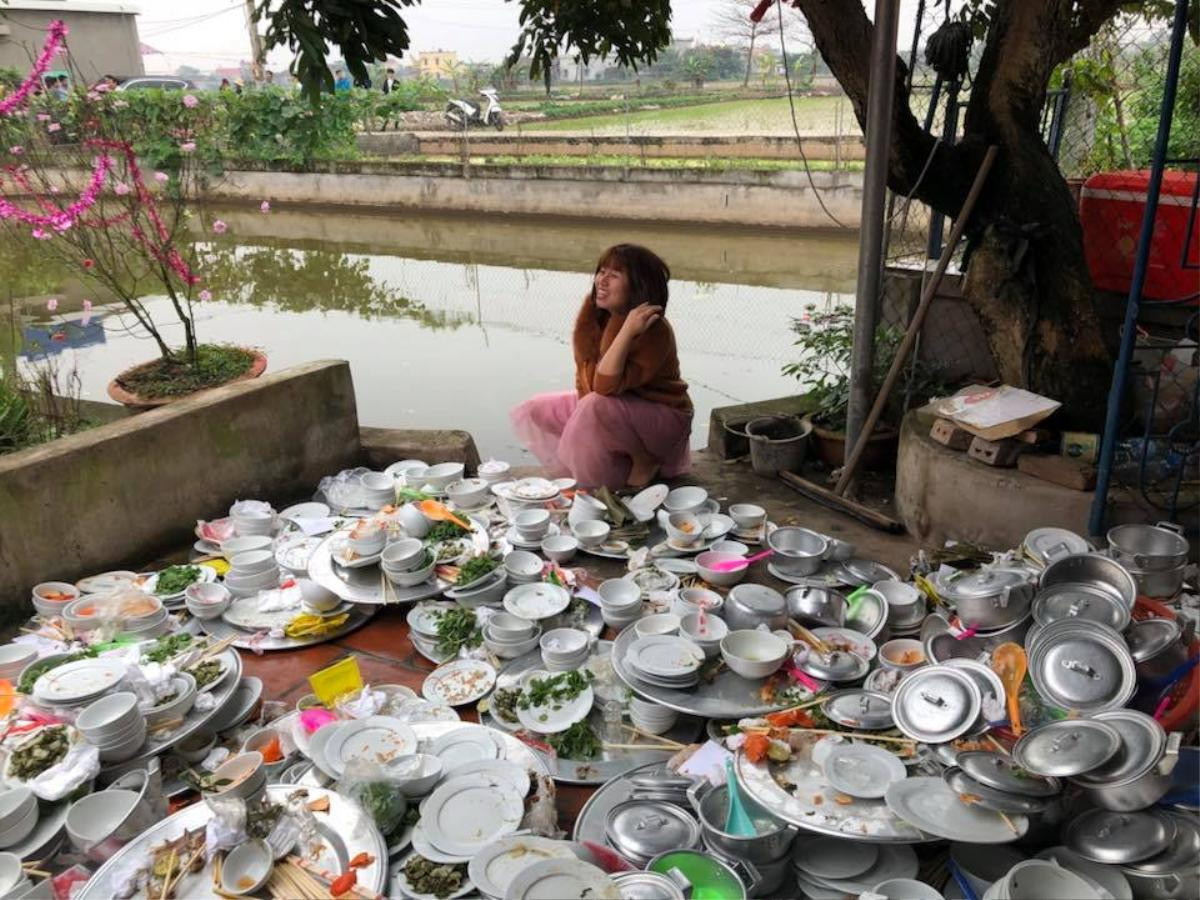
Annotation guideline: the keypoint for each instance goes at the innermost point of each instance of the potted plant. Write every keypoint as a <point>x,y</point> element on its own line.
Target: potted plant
<point>115,192</point>
<point>826,340</point>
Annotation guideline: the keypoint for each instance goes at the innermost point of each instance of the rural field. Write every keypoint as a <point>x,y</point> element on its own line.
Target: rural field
<point>814,115</point>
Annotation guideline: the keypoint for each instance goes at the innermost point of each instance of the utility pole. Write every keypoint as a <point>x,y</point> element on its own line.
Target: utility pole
<point>259,56</point>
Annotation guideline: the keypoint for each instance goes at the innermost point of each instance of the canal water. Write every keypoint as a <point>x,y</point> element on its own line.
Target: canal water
<point>451,321</point>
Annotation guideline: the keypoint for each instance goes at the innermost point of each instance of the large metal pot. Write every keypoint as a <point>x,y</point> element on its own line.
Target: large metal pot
<point>1164,583</point>
<point>798,551</point>
<point>1139,774</point>
<point>989,598</point>
<point>1091,572</point>
<point>941,645</point>
<point>772,841</point>
<point>1172,875</point>
<point>1157,647</point>
<point>1149,548</point>
<point>749,605</point>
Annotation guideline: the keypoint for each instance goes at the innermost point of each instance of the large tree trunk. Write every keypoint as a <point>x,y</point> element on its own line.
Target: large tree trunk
<point>1026,278</point>
<point>750,53</point>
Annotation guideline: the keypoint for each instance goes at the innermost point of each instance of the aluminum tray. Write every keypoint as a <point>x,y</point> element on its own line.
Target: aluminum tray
<point>219,629</point>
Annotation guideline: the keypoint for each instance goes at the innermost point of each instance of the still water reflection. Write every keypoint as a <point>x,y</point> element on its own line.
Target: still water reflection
<point>451,321</point>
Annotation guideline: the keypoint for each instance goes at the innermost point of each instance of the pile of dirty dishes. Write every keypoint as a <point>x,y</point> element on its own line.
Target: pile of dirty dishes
<point>665,660</point>
<point>829,867</point>
<point>252,517</point>
<point>510,636</point>
<point>564,649</point>
<point>115,725</point>
<point>407,563</point>
<point>78,683</point>
<point>252,571</point>
<point>207,600</point>
<point>651,717</point>
<point>620,602</point>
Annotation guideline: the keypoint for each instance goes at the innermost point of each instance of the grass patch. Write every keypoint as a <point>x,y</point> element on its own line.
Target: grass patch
<point>702,164</point>
<point>815,115</point>
<point>216,364</point>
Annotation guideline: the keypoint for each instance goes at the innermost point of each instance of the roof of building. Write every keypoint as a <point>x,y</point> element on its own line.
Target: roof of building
<point>70,6</point>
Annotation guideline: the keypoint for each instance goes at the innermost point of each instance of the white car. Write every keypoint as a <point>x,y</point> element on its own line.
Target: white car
<point>154,82</point>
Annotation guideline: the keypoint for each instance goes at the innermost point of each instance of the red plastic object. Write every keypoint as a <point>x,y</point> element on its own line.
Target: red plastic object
<point>1183,710</point>
<point>1111,206</point>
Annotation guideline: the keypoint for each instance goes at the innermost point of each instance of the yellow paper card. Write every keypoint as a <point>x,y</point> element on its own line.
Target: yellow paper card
<point>336,681</point>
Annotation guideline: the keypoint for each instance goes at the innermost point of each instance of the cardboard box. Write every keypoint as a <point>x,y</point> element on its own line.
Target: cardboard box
<point>1081,445</point>
<point>995,413</point>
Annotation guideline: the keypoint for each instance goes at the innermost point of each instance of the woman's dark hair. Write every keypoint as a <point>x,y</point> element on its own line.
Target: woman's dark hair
<point>648,276</point>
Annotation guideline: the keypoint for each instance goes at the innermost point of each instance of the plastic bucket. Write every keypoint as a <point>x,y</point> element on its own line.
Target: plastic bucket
<point>777,443</point>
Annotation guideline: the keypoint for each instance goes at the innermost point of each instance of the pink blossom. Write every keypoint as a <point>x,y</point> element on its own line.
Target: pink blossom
<point>162,177</point>
<point>41,234</point>
<point>43,117</point>
<point>17,98</point>
<point>16,149</point>
<point>52,304</point>
<point>87,313</point>
<point>190,101</point>
<point>219,227</point>
<point>187,147</point>
<point>264,207</point>
<point>205,295</point>
<point>54,189</point>
<point>53,126</point>
<point>121,189</point>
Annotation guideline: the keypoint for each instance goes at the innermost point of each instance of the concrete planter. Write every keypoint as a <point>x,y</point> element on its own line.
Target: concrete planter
<point>831,447</point>
<point>125,398</point>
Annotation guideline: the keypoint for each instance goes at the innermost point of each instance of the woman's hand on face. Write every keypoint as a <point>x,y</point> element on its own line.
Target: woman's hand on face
<point>640,319</point>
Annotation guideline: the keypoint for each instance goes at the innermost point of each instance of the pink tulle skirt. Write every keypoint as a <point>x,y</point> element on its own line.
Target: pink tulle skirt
<point>589,439</point>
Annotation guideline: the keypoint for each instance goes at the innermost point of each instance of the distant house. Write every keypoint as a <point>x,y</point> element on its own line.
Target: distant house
<point>575,70</point>
<point>436,63</point>
<point>103,35</point>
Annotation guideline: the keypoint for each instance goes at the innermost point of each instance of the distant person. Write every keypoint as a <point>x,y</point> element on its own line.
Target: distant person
<point>341,83</point>
<point>110,82</point>
<point>389,82</point>
<point>225,85</point>
<point>237,86</point>
<point>629,418</point>
<point>268,77</point>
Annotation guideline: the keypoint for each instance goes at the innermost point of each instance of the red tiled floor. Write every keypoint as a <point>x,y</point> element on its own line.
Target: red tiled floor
<point>282,670</point>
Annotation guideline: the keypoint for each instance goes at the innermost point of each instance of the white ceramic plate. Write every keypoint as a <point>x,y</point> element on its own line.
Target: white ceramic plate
<point>106,581</point>
<point>427,647</point>
<point>464,815</point>
<point>423,618</point>
<point>226,668</point>
<point>501,768</point>
<point>514,537</point>
<point>533,489</point>
<point>553,879</point>
<point>932,806</point>
<point>498,864</point>
<point>339,550</point>
<point>207,575</point>
<point>244,613</point>
<point>401,887</point>
<point>293,555</point>
<point>376,739</point>
<point>421,843</point>
<point>861,770</point>
<point>459,682</point>
<point>310,510</point>
<point>538,600</point>
<point>834,858</point>
<point>556,716</point>
<point>665,656</point>
<point>469,743</point>
<point>316,747</point>
<point>77,681</point>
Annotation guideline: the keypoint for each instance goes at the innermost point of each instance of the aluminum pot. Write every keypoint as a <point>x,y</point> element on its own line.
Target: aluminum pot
<point>1173,874</point>
<point>771,875</point>
<point>1149,548</point>
<point>1140,773</point>
<point>798,551</point>
<point>772,842</point>
<point>1157,646</point>
<point>941,645</point>
<point>1094,572</point>
<point>710,875</point>
<point>989,598</point>
<point>749,605</point>
<point>1164,583</point>
<point>815,607</point>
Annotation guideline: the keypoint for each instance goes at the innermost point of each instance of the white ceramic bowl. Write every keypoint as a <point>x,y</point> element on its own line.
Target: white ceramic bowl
<point>691,600</point>
<point>685,499</point>
<point>439,476</point>
<point>619,594</point>
<point>247,773</point>
<point>620,621</point>
<point>892,653</point>
<point>722,579</point>
<point>747,516</point>
<point>509,627</point>
<point>47,607</point>
<point>654,724</point>
<point>424,772</point>
<point>486,591</point>
<point>560,548</point>
<point>252,562</point>
<point>906,889</point>
<point>753,654</point>
<point>378,482</point>
<point>207,600</point>
<point>247,867</point>
<point>317,597</point>
<point>15,805</point>
<point>236,545</point>
<point>120,749</point>
<point>494,471</point>
<point>412,577</point>
<point>509,650</point>
<point>23,824</point>
<point>414,521</point>
<point>14,658</point>
<point>532,524</point>
<point>707,639</point>
<point>684,528</point>
<point>402,556</point>
<point>399,470</point>
<point>185,686</point>
<point>369,542</point>
<point>737,548</point>
<point>590,532</point>
<point>562,645</point>
<point>110,715</point>
<point>521,564</point>
<point>104,815</point>
<point>257,582</point>
<point>196,746</point>
<point>12,876</point>
<point>660,623</point>
<point>468,493</point>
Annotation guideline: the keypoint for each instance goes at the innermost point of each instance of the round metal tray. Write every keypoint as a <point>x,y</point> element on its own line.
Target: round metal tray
<point>589,825</point>
<point>219,629</point>
<point>364,585</point>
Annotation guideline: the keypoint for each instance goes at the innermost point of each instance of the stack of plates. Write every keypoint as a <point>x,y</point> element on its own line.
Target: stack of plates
<point>78,683</point>
<point>470,810</point>
<point>665,660</point>
<point>651,717</point>
<point>378,489</point>
<point>377,740</point>
<point>833,867</point>
<point>494,868</point>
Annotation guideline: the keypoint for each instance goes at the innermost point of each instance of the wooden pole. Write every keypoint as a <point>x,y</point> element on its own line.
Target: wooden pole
<point>918,319</point>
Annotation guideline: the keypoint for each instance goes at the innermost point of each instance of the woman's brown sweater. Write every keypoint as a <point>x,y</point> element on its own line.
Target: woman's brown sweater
<point>651,368</point>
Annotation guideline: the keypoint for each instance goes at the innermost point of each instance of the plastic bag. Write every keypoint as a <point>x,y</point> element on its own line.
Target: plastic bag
<point>227,827</point>
<point>376,788</point>
<point>343,490</point>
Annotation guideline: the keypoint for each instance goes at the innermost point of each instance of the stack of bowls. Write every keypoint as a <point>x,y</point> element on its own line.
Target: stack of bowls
<point>706,635</point>
<point>693,600</point>
<point>689,499</point>
<point>523,567</point>
<point>316,599</point>
<point>564,649</point>
<point>905,604</point>
<point>560,548</point>
<point>50,598</point>
<point>246,774</point>
<point>252,517</point>
<point>651,717</point>
<point>236,545</point>
<point>115,725</point>
<point>590,532</point>
<point>13,880</point>
<point>378,489</point>
<point>183,687</point>
<point>494,471</point>
<point>532,525</point>
<point>620,602</point>
<point>252,571</point>
<point>437,477</point>
<point>18,815</point>
<point>510,636</point>
<point>207,601</point>
<point>468,493</point>
<point>407,563</point>
<point>486,591</point>
<point>13,660</point>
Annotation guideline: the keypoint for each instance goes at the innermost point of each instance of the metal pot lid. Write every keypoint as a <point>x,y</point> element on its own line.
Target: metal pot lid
<point>1083,668</point>
<point>1143,743</point>
<point>1182,853</point>
<point>1067,747</point>
<point>936,704</point>
<point>978,794</point>
<point>648,886</point>
<point>1045,544</point>
<point>1149,637</point>
<point>998,771</point>
<point>859,709</point>
<point>867,612</point>
<point>987,679</point>
<point>981,584</point>
<point>758,598</point>
<point>645,829</point>
<point>840,665</point>
<point>1080,601</point>
<point>1111,837</point>
<point>866,571</point>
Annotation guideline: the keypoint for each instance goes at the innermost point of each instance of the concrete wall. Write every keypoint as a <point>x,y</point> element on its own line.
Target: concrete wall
<point>121,493</point>
<point>103,36</point>
<point>762,199</point>
<point>508,143</point>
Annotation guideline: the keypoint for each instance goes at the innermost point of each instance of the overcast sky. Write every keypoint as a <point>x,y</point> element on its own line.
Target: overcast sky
<point>208,33</point>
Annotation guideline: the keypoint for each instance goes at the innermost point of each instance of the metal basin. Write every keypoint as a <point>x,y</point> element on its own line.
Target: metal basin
<point>798,551</point>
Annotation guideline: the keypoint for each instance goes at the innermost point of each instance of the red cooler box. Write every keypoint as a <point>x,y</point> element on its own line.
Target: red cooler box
<point>1111,206</point>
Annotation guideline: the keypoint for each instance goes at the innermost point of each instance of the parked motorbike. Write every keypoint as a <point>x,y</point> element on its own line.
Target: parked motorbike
<point>465,113</point>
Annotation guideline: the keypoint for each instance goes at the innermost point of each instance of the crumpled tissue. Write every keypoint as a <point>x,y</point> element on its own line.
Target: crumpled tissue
<point>227,827</point>
<point>283,598</point>
<point>78,767</point>
<point>363,705</point>
<point>151,681</point>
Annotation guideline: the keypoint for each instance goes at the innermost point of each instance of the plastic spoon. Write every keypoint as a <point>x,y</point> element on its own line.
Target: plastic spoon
<point>1009,662</point>
<point>431,509</point>
<point>733,565</point>
<point>737,820</point>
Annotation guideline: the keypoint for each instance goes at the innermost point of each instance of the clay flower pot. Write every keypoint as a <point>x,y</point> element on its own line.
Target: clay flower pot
<point>126,398</point>
<point>831,447</point>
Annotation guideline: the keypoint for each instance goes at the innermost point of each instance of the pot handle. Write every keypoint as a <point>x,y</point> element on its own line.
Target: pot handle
<point>1168,883</point>
<point>748,872</point>
<point>1166,765</point>
<point>1170,526</point>
<point>697,792</point>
